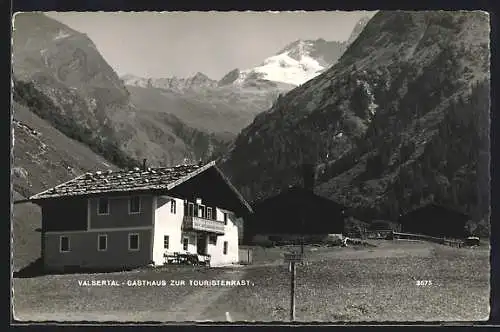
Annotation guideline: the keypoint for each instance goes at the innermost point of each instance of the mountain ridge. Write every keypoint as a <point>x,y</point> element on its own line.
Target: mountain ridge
<point>385,104</point>
<point>239,95</point>
<point>308,55</point>
<point>63,67</point>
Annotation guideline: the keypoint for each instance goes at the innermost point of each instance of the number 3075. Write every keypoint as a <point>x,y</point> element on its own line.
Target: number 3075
<point>424,282</point>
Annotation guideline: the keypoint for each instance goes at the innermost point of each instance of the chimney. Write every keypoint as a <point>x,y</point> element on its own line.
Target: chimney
<point>309,176</point>
<point>144,164</point>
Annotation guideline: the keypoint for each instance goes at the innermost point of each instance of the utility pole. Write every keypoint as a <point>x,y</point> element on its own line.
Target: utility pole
<point>292,258</point>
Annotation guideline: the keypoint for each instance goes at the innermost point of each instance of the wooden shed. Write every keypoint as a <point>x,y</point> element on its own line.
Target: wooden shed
<point>435,220</point>
<point>296,211</point>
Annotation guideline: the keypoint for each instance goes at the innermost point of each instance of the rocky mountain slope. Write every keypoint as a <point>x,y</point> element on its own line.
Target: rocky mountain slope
<point>218,111</point>
<point>358,28</point>
<point>402,118</point>
<point>78,92</point>
<point>198,81</point>
<point>206,104</point>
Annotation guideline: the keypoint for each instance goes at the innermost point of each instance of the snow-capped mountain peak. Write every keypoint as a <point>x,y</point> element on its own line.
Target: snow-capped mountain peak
<point>292,66</point>
<point>297,62</point>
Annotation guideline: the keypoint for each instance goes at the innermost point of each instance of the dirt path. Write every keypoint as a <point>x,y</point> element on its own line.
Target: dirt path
<point>193,307</point>
<point>197,305</point>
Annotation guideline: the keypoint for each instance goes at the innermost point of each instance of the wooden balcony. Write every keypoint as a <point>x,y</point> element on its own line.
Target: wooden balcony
<point>202,224</point>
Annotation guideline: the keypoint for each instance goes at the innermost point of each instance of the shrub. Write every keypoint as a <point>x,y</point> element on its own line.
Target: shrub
<point>263,242</point>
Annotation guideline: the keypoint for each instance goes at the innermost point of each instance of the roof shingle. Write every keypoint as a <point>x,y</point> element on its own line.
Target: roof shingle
<point>123,180</point>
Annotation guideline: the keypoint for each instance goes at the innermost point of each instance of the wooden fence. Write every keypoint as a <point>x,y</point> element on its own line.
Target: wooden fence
<point>445,241</point>
<point>378,234</point>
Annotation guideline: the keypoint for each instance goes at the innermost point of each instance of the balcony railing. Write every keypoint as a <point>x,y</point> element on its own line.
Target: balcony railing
<point>202,224</point>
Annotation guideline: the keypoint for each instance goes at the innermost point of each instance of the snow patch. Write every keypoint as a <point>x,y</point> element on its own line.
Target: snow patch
<point>61,34</point>
<point>136,81</point>
<point>43,54</point>
<point>282,68</point>
<point>20,172</point>
<point>294,67</point>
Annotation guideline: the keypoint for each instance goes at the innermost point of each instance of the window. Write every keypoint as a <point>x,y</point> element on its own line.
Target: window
<point>173,207</point>
<point>64,244</point>
<point>209,213</point>
<point>225,218</point>
<point>186,210</point>
<point>202,211</point>
<point>133,241</point>
<point>134,205</point>
<point>191,209</point>
<point>102,242</point>
<point>195,210</point>
<point>103,206</point>
<point>185,243</point>
<point>212,239</point>
<point>225,248</point>
<point>165,241</point>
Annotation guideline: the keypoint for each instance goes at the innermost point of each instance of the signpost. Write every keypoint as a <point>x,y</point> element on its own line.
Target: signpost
<point>292,258</point>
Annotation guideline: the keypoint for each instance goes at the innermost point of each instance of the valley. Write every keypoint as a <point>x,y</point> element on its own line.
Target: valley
<point>387,107</point>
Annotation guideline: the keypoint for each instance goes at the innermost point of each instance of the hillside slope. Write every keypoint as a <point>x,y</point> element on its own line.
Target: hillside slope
<point>215,117</point>
<point>84,92</point>
<point>391,114</point>
<point>43,158</point>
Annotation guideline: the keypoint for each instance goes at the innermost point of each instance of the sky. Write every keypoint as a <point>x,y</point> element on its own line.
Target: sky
<point>166,44</point>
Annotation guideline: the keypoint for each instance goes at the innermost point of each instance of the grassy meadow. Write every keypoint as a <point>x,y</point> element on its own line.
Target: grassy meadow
<point>335,284</point>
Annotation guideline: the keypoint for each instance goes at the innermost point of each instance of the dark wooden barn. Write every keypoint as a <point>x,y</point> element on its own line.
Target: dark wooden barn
<point>295,211</point>
<point>435,220</point>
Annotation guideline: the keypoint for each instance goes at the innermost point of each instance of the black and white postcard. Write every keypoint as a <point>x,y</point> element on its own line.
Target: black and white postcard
<point>323,166</point>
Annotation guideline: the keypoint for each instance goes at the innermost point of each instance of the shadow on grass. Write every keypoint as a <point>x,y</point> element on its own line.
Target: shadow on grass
<point>36,269</point>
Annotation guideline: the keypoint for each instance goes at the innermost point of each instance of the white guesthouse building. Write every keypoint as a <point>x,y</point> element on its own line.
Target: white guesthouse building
<point>133,218</point>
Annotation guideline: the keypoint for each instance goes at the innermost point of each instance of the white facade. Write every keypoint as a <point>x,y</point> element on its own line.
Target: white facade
<point>168,222</point>
<point>231,236</point>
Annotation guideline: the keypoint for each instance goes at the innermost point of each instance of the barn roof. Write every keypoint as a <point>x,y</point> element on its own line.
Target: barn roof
<point>163,178</point>
<point>433,205</point>
<point>300,192</point>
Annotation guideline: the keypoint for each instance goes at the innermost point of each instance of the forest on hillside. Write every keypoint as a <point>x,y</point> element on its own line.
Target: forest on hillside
<point>25,93</point>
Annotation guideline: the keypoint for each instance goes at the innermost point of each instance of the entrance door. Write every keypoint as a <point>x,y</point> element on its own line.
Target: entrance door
<point>201,244</point>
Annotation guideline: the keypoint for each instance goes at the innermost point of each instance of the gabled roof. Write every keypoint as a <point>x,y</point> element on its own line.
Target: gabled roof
<point>299,191</point>
<point>164,178</point>
<point>434,205</point>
